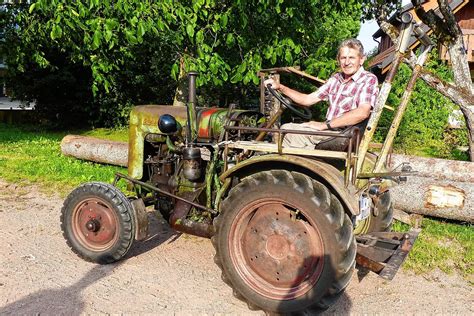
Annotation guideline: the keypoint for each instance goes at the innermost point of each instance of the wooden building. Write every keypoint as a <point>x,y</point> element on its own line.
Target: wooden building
<point>464,13</point>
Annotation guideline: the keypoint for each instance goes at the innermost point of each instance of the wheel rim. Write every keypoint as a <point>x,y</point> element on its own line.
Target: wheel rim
<point>276,250</point>
<point>95,224</point>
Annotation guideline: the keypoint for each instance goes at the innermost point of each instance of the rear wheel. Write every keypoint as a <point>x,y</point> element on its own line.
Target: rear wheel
<point>284,243</point>
<point>97,222</point>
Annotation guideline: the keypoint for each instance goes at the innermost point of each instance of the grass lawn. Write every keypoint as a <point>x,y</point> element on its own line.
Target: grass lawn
<point>28,155</point>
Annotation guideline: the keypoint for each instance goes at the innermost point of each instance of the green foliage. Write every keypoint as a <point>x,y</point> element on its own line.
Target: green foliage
<point>130,50</point>
<point>443,245</point>
<point>424,128</point>
<point>28,155</point>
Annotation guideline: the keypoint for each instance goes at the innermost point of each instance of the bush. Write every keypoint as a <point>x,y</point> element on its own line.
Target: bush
<point>424,127</point>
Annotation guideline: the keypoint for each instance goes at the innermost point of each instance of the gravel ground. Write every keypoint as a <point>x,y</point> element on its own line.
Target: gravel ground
<point>168,274</point>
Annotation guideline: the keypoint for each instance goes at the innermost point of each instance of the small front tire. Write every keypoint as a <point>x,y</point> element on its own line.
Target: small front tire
<point>97,222</point>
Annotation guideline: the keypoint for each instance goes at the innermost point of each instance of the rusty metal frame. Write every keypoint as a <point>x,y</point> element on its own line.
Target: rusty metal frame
<point>409,28</point>
<point>294,70</point>
<point>119,176</point>
<point>384,252</point>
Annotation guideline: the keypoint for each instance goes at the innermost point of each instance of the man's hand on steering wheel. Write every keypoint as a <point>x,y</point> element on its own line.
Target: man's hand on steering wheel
<point>273,88</point>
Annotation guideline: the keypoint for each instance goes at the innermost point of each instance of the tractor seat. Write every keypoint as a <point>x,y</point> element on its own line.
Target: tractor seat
<point>339,143</point>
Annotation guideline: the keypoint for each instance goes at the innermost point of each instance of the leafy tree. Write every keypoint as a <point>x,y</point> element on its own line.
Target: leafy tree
<point>226,41</point>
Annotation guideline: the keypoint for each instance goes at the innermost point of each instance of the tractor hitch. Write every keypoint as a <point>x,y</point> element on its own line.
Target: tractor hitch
<point>384,252</point>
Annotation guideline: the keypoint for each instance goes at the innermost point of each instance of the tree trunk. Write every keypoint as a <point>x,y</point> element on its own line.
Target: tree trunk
<point>441,188</point>
<point>181,87</point>
<point>462,78</point>
<point>469,116</point>
<point>450,35</point>
<point>464,100</point>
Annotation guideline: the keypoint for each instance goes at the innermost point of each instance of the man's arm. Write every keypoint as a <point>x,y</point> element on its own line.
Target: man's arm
<point>352,117</point>
<point>349,118</point>
<point>298,97</point>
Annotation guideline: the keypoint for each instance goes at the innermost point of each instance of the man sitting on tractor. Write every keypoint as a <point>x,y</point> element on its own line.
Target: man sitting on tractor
<point>351,94</point>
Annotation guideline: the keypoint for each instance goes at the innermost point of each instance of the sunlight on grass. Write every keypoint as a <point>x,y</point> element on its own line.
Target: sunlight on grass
<point>28,156</point>
<point>119,134</point>
<point>443,245</point>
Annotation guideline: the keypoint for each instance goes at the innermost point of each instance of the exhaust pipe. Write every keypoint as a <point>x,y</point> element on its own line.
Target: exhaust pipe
<point>191,135</point>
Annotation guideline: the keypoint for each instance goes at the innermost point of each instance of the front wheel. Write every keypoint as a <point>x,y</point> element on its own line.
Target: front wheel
<point>97,222</point>
<point>284,243</point>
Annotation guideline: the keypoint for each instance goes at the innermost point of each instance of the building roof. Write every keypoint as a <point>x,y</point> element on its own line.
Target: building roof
<point>384,59</point>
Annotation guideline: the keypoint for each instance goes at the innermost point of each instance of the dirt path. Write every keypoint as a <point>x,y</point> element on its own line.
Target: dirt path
<point>168,274</point>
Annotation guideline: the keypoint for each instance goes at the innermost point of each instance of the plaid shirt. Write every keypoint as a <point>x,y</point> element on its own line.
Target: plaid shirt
<point>342,96</point>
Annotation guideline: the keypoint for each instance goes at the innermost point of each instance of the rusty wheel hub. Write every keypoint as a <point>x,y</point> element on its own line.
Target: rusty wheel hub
<point>95,224</point>
<point>276,249</point>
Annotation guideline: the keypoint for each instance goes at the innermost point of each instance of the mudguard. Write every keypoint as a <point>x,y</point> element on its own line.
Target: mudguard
<point>330,175</point>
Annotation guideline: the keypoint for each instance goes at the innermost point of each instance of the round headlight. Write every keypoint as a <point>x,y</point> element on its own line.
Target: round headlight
<point>167,124</point>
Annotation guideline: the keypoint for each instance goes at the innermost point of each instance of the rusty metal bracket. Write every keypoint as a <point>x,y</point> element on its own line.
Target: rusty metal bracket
<point>384,252</point>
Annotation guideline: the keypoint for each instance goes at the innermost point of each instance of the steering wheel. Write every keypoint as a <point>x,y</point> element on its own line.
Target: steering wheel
<point>304,112</point>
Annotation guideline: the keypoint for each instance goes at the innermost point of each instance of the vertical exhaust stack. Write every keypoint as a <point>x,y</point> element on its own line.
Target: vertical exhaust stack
<point>191,134</point>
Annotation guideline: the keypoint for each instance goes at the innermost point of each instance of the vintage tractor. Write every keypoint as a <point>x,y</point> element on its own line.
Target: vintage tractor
<point>287,224</point>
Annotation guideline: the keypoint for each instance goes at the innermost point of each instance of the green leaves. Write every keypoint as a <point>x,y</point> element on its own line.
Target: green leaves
<point>56,32</point>
<point>227,41</point>
<point>190,30</point>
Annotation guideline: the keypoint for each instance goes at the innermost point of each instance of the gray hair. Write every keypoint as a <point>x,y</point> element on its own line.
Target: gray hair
<point>351,43</point>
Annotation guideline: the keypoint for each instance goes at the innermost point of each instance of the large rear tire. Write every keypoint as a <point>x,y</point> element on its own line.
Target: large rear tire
<point>97,222</point>
<point>284,243</point>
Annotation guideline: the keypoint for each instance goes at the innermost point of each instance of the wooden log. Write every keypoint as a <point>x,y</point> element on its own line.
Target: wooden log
<point>440,188</point>
<point>443,169</point>
<point>95,149</point>
<point>433,197</point>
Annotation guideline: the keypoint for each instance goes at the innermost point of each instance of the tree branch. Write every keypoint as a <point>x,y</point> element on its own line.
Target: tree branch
<point>432,20</point>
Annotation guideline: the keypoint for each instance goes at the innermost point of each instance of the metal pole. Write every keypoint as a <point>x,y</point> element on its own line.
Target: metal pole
<point>403,42</point>
<point>387,145</point>
<point>191,108</point>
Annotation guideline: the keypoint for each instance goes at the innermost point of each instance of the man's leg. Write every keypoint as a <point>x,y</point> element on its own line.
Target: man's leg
<point>299,140</point>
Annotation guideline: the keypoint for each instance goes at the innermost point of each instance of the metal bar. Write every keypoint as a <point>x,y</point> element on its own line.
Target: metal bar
<point>348,163</point>
<point>293,70</point>
<point>151,187</point>
<point>191,108</point>
<point>368,263</point>
<point>384,252</point>
<point>221,191</point>
<point>369,175</point>
<point>383,94</point>
<point>272,121</point>
<point>290,131</point>
<point>356,158</point>
<point>392,132</point>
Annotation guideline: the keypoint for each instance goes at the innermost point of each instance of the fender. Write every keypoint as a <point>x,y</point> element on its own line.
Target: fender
<point>331,176</point>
